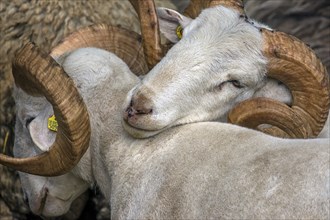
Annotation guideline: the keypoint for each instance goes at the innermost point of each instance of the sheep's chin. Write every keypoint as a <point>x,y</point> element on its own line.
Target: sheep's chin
<point>138,132</point>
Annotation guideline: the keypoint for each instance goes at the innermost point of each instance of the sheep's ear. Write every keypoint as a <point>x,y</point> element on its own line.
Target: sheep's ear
<point>42,136</point>
<point>275,90</point>
<point>169,20</point>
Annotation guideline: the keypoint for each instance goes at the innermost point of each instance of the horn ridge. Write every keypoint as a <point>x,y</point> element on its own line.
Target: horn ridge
<point>72,139</point>
<point>124,43</point>
<point>297,66</point>
<point>254,112</point>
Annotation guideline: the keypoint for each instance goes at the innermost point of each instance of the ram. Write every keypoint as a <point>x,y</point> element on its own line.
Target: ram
<point>46,23</point>
<point>199,170</point>
<point>30,131</point>
<point>230,59</point>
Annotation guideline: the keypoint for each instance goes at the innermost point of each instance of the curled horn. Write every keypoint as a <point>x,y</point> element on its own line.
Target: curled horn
<point>125,44</point>
<point>33,72</point>
<point>295,64</point>
<point>290,61</point>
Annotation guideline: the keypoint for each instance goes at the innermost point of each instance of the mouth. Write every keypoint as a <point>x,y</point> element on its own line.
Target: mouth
<point>43,200</point>
<point>46,196</point>
<point>139,132</point>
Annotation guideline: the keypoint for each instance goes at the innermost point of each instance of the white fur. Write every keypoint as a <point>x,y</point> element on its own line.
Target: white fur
<point>98,69</point>
<point>196,171</point>
<point>194,81</point>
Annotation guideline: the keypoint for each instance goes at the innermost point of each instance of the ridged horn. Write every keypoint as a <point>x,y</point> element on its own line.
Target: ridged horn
<point>37,72</point>
<point>150,32</point>
<point>296,65</point>
<point>125,44</point>
<point>196,6</point>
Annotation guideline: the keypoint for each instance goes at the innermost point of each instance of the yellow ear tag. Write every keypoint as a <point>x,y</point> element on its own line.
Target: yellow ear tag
<point>52,123</point>
<point>179,30</point>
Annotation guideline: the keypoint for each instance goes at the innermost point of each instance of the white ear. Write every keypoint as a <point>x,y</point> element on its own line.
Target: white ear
<point>41,136</point>
<point>169,20</point>
<point>275,90</point>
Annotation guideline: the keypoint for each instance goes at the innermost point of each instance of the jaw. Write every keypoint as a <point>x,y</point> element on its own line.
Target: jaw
<point>140,133</point>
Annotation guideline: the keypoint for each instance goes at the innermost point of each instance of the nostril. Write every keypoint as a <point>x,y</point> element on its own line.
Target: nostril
<point>144,111</point>
<point>130,112</point>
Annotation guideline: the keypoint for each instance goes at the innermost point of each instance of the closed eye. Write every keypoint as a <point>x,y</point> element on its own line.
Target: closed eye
<point>236,83</point>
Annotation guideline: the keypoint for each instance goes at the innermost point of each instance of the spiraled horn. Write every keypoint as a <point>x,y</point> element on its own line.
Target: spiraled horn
<point>297,66</point>
<point>36,72</point>
<point>125,44</point>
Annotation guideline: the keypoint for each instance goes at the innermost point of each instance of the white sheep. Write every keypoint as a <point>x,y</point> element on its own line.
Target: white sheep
<point>53,196</point>
<point>46,23</point>
<point>149,160</point>
<point>223,59</point>
<point>199,170</point>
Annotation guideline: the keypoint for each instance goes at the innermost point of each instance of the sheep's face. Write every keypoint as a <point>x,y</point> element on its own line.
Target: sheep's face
<point>47,196</point>
<point>217,63</point>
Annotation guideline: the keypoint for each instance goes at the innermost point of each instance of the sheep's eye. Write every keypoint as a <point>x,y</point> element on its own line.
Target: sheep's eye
<point>28,121</point>
<point>236,83</point>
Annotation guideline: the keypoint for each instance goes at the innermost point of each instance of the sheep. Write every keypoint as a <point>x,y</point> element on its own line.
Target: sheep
<point>46,23</point>
<point>21,19</point>
<point>36,187</point>
<point>227,63</point>
<point>322,143</point>
<point>192,171</point>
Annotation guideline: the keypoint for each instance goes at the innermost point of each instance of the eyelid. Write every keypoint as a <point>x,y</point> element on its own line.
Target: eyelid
<point>236,83</point>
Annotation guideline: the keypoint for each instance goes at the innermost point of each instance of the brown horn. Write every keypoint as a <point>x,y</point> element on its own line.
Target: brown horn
<point>196,6</point>
<point>296,65</point>
<point>146,11</point>
<point>31,68</point>
<point>124,43</point>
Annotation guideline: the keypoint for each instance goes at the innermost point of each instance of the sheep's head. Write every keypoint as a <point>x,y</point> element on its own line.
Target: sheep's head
<point>47,196</point>
<point>221,60</point>
<point>44,89</point>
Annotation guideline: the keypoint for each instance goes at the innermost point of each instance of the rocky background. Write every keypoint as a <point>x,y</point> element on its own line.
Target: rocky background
<point>46,22</point>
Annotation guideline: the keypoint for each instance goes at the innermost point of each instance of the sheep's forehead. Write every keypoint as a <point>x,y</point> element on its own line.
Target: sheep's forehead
<point>217,35</point>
